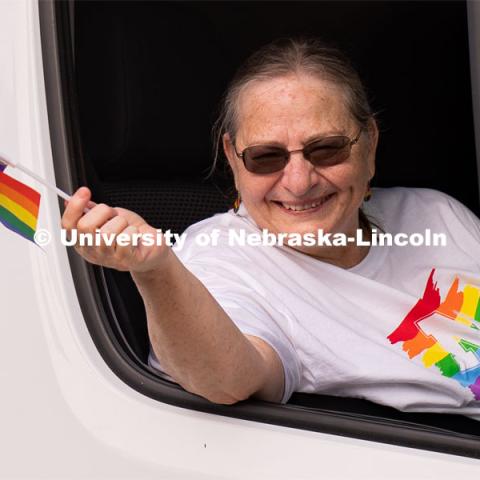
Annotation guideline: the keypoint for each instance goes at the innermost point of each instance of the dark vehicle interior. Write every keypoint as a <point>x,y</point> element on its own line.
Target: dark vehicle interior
<point>141,84</point>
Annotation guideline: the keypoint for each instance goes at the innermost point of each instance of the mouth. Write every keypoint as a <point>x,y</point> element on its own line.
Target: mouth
<point>307,206</point>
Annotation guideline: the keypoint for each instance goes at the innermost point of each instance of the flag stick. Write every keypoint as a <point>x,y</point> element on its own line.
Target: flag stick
<point>44,182</point>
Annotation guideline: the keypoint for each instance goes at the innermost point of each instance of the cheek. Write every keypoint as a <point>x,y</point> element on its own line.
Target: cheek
<point>255,190</point>
<point>351,175</point>
<point>343,177</point>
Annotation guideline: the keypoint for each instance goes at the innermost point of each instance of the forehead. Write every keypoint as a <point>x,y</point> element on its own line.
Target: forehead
<point>288,108</point>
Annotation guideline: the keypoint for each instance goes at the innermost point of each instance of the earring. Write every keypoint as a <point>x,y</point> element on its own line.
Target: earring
<point>236,203</point>
<point>368,193</point>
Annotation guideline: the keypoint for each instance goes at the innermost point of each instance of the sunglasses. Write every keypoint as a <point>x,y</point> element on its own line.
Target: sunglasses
<point>324,152</point>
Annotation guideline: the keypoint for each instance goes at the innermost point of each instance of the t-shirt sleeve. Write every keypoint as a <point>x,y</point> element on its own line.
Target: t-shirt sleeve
<point>251,311</point>
<point>460,224</point>
<point>464,215</point>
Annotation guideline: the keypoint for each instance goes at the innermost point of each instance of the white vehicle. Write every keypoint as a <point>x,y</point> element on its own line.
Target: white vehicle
<point>120,96</point>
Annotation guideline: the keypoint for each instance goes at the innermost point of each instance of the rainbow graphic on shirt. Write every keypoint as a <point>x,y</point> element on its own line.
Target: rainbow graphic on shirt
<point>445,333</point>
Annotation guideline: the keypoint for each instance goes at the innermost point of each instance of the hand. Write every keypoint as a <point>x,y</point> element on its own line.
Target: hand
<point>110,221</point>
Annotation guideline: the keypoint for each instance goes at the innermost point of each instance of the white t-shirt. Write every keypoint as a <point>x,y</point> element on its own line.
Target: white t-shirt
<point>401,328</point>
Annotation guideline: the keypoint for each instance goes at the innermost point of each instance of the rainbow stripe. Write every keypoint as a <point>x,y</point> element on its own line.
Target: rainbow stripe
<point>455,357</point>
<point>19,205</point>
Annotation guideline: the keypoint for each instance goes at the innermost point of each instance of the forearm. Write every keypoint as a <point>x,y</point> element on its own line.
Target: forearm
<point>194,339</point>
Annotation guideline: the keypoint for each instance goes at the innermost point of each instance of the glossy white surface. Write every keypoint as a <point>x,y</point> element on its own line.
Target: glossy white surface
<point>64,414</point>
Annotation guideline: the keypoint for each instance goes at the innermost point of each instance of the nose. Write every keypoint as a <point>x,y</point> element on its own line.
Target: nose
<point>299,175</point>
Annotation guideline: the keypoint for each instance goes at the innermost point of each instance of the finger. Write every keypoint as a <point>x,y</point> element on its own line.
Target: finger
<point>132,217</point>
<point>112,227</point>
<point>74,208</point>
<point>95,218</point>
<point>117,255</point>
<point>90,204</point>
<point>115,225</point>
<point>125,251</point>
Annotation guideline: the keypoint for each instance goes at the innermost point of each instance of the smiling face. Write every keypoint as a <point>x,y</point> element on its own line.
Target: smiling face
<point>291,111</point>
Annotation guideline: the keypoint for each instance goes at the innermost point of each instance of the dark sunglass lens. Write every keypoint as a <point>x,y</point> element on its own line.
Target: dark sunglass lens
<point>328,151</point>
<point>265,159</point>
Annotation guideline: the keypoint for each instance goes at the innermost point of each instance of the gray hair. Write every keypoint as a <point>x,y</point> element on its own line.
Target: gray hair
<point>284,57</point>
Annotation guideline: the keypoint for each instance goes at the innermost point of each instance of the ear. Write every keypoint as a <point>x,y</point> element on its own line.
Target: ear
<point>372,131</point>
<point>229,150</point>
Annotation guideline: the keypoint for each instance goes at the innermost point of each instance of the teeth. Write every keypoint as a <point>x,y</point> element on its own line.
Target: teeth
<point>307,206</point>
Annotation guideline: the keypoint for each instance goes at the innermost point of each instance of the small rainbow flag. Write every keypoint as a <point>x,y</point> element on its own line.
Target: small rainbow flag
<point>19,205</point>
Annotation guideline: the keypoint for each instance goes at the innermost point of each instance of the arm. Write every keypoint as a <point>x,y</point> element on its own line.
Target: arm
<point>194,339</point>
<point>197,343</point>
